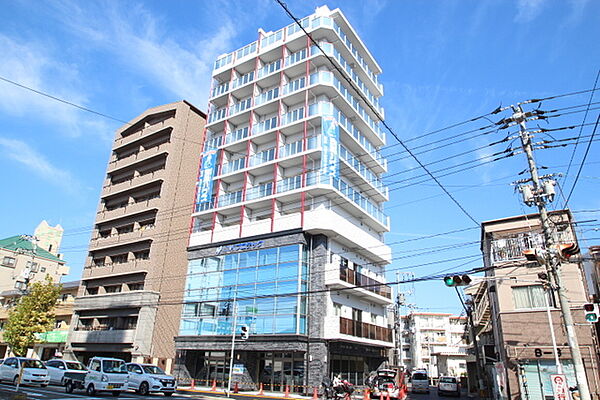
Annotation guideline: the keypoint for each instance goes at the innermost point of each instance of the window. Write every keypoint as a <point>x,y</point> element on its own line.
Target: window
<point>9,262</point>
<point>20,285</point>
<point>125,229</point>
<point>95,366</point>
<point>529,297</point>
<point>119,258</point>
<point>92,291</point>
<point>136,286</point>
<point>112,289</point>
<point>337,309</point>
<point>32,266</point>
<point>142,255</point>
<point>43,269</point>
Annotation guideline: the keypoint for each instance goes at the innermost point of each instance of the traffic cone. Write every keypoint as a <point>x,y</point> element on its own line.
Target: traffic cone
<point>315,394</point>
<point>380,396</point>
<point>366,394</point>
<point>260,390</point>
<point>214,386</point>
<point>387,397</point>
<point>193,384</point>
<point>287,391</point>
<point>236,389</point>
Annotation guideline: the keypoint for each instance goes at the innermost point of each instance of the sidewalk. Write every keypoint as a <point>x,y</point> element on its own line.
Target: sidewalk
<point>10,394</point>
<point>219,392</point>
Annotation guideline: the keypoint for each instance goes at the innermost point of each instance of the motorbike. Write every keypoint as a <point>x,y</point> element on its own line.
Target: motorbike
<point>339,392</point>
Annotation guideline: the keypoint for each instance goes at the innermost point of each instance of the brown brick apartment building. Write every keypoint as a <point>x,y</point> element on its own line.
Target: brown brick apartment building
<point>510,312</point>
<point>129,302</point>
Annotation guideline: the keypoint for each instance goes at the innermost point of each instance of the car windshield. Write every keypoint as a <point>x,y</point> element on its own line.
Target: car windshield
<point>419,376</point>
<point>33,364</point>
<point>152,369</point>
<point>114,367</point>
<point>448,380</point>
<point>75,366</point>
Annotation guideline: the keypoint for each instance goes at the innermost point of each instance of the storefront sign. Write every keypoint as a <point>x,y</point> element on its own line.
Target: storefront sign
<point>238,369</point>
<point>234,248</point>
<point>207,172</point>
<point>52,336</point>
<point>560,387</point>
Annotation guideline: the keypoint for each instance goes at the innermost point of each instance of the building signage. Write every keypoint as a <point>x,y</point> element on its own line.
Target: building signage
<point>234,248</point>
<point>207,172</point>
<point>560,387</point>
<point>238,369</point>
<point>330,131</point>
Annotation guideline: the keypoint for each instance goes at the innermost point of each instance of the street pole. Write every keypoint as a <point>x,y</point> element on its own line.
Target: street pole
<point>554,348</point>
<point>233,334</point>
<point>553,265</point>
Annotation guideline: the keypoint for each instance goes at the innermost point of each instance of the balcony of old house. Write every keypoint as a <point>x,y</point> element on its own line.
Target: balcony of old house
<point>123,235</point>
<point>121,300</point>
<point>103,267</point>
<point>119,329</point>
<point>510,248</point>
<point>128,206</point>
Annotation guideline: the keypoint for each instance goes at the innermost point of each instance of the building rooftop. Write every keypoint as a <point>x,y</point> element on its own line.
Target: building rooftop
<point>21,244</point>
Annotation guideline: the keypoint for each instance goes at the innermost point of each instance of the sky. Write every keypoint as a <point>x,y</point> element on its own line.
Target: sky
<point>443,62</point>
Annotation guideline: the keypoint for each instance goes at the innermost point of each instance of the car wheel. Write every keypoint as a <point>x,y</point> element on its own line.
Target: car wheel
<point>15,380</point>
<point>116,394</point>
<point>144,389</point>
<point>69,387</point>
<point>91,390</point>
<point>168,394</point>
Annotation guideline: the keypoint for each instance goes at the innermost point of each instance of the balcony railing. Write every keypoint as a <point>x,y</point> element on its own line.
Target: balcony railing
<point>365,330</point>
<point>358,279</point>
<point>511,248</point>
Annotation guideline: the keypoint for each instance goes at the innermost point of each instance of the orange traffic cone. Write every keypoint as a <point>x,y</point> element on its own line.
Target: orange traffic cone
<point>380,396</point>
<point>387,397</point>
<point>214,386</point>
<point>366,394</point>
<point>315,394</point>
<point>193,383</point>
<point>260,390</point>
<point>236,389</point>
<point>287,391</point>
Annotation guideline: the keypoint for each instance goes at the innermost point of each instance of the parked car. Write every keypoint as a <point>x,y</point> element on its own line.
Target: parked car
<point>102,375</point>
<point>385,383</point>
<point>419,381</point>
<point>33,371</point>
<point>148,378</point>
<point>448,385</point>
<point>58,367</point>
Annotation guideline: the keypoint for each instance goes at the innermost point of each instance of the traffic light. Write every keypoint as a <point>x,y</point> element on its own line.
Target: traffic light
<point>567,250</point>
<point>591,312</point>
<point>245,332</point>
<point>535,255</point>
<point>457,280</point>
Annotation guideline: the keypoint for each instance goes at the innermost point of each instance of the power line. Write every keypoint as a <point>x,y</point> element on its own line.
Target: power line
<point>587,150</point>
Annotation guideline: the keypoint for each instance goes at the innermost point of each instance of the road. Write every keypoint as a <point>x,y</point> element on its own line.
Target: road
<point>58,393</point>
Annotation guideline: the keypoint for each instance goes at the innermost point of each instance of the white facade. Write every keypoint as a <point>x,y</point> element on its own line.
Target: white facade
<point>435,342</point>
<point>292,147</point>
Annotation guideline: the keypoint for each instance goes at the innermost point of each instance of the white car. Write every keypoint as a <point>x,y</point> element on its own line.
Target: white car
<point>34,371</point>
<point>148,378</point>
<point>448,385</point>
<point>57,369</point>
<point>419,381</point>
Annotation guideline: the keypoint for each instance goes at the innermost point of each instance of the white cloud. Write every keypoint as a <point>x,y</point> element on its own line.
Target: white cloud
<point>31,64</point>
<point>26,155</point>
<point>528,10</point>
<point>140,42</point>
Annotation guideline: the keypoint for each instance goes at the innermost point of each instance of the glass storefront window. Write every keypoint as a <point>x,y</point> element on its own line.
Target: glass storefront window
<point>215,284</point>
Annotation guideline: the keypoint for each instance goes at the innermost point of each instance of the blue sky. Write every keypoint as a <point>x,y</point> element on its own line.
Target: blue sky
<point>443,62</point>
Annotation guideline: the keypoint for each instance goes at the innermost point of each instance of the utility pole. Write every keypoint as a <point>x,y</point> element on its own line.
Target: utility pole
<point>538,196</point>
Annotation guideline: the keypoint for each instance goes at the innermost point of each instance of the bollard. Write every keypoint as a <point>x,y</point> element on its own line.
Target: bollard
<point>214,386</point>
<point>260,390</point>
<point>235,388</point>
<point>315,394</point>
<point>287,391</point>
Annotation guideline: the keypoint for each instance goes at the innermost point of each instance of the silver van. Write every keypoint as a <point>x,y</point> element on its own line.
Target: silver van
<point>419,381</point>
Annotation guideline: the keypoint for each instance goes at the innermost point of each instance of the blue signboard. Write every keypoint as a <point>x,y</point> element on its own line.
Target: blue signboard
<point>330,130</point>
<point>207,172</point>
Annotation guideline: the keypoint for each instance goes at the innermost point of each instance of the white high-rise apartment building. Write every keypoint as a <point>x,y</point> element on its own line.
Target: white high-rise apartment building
<point>289,209</point>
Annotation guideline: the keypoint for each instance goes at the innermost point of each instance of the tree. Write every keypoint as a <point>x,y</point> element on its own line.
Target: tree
<point>34,313</point>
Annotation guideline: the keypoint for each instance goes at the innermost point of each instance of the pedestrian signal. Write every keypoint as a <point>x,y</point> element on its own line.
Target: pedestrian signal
<point>591,312</point>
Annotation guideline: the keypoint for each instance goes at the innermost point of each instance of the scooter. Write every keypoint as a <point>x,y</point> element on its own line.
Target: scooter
<point>343,391</point>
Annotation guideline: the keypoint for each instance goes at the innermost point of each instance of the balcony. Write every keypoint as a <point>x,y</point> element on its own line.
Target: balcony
<point>143,133</point>
<point>103,336</point>
<point>365,330</point>
<point>131,266</point>
<point>105,214</point>
<point>134,299</point>
<point>358,279</point>
<point>120,239</point>
<point>137,157</point>
<point>113,188</point>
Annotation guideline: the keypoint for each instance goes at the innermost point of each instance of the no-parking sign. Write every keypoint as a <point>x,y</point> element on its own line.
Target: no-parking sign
<point>560,387</point>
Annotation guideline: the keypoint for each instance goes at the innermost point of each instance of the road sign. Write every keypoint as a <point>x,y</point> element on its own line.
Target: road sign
<point>560,387</point>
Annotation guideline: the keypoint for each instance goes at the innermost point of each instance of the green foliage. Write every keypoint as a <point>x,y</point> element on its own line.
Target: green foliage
<point>34,313</point>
